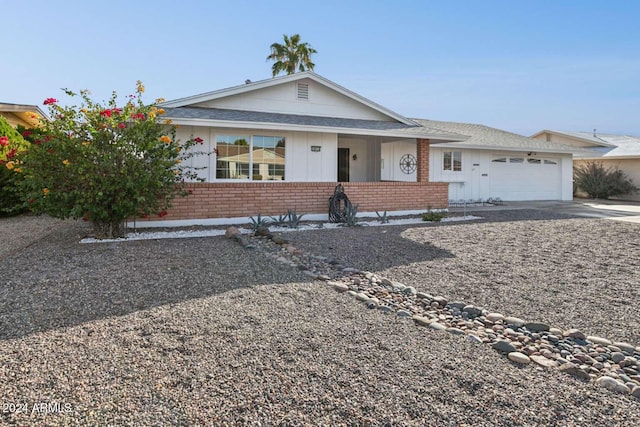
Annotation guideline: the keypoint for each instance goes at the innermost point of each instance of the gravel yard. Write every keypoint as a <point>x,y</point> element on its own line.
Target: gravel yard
<point>205,332</point>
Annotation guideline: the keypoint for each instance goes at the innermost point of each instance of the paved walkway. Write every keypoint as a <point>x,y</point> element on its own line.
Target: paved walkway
<point>586,208</point>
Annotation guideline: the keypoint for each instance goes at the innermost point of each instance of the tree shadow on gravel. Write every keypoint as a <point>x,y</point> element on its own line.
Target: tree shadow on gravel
<point>58,282</point>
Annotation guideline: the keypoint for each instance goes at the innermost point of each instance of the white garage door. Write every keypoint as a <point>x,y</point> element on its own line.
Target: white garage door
<point>519,177</point>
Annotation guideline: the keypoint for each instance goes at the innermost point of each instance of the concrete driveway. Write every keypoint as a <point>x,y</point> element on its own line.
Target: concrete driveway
<point>586,208</point>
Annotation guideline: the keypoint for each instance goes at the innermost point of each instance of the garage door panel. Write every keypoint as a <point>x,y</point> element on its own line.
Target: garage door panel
<point>525,178</point>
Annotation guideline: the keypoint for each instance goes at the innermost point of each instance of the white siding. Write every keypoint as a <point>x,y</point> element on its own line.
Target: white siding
<point>301,164</point>
<point>322,101</point>
<point>391,154</point>
<point>366,166</point>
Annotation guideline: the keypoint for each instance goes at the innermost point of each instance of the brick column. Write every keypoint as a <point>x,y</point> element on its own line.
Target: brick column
<point>422,152</point>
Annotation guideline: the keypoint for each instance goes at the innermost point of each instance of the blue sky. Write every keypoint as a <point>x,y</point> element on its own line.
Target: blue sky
<point>521,65</point>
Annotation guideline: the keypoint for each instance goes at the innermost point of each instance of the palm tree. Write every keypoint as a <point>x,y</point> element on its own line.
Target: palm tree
<point>291,55</point>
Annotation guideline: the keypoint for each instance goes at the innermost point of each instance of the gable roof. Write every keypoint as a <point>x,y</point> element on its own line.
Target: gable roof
<point>262,84</point>
<point>617,146</point>
<point>485,137</point>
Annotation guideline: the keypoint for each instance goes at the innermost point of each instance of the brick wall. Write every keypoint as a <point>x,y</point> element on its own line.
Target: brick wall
<point>422,152</point>
<point>228,200</point>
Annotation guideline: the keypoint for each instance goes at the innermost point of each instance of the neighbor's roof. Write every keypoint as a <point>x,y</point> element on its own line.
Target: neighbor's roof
<point>617,146</point>
<point>259,119</point>
<point>485,137</point>
<point>28,113</point>
<point>590,138</point>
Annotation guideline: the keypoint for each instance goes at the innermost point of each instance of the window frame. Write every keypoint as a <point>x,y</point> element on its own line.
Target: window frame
<point>251,167</point>
<point>452,161</point>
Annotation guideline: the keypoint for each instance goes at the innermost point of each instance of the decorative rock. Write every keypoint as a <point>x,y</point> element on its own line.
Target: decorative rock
<point>617,357</point>
<point>536,327</point>
<point>573,370</point>
<point>372,303</point>
<point>504,346</point>
<point>473,311</point>
<point>437,326</point>
<point>422,321</point>
<point>474,339</point>
<point>442,302</point>
<point>625,347</point>
<point>279,240</point>
<point>386,309</point>
<point>612,384</point>
<point>598,340</point>
<point>455,331</point>
<point>457,305</point>
<point>361,296</point>
<point>543,361</point>
<point>514,321</point>
<point>231,232</point>
<point>409,290</point>
<point>518,357</point>
<point>636,392</point>
<point>495,317</point>
<point>340,287</point>
<point>574,333</point>
<point>262,231</point>
<point>423,295</point>
<point>350,270</point>
<point>404,313</point>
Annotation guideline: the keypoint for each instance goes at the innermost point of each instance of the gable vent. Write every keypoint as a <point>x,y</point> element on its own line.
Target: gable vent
<point>303,91</point>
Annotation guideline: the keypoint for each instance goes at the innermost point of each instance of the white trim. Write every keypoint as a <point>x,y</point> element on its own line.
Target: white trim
<point>247,220</point>
<point>501,147</point>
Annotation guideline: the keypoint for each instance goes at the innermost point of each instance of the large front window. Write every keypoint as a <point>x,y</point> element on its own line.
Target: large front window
<point>257,157</point>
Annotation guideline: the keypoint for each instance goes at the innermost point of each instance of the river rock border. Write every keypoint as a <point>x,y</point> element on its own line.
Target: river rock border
<point>612,365</point>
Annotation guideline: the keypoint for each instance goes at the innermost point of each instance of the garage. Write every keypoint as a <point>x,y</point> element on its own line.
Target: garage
<point>524,177</point>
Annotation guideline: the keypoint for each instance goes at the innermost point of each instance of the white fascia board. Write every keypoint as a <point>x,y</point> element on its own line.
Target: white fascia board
<point>579,138</point>
<point>605,157</point>
<point>501,148</point>
<point>305,128</point>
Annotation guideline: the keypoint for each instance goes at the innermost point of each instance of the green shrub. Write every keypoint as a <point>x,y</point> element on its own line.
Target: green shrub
<point>11,143</point>
<point>433,216</point>
<point>600,182</point>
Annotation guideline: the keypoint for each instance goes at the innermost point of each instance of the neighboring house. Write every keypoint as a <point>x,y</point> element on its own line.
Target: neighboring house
<point>285,143</point>
<point>18,114</point>
<point>619,151</point>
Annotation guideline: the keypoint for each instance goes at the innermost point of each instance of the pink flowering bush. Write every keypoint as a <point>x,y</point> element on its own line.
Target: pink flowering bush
<point>11,144</point>
<point>106,163</point>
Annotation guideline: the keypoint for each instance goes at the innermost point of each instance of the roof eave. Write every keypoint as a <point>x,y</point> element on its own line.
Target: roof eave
<point>501,148</point>
<point>309,128</point>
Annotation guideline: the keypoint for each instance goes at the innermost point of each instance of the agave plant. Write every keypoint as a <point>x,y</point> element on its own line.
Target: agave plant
<point>258,222</point>
<point>383,218</point>
<point>350,213</point>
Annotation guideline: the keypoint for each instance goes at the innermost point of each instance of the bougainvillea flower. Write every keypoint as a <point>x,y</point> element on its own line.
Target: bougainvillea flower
<point>199,140</point>
<point>165,139</point>
<point>50,101</point>
<point>4,141</point>
<point>11,154</point>
<point>105,113</point>
<point>37,142</point>
<point>122,125</point>
<point>116,111</point>
<point>163,213</point>
<point>26,133</point>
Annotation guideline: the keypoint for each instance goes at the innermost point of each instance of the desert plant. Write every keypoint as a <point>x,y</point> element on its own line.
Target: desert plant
<point>293,219</point>
<point>383,218</point>
<point>350,215</point>
<point>259,222</point>
<point>601,182</point>
<point>433,216</point>
<point>282,219</point>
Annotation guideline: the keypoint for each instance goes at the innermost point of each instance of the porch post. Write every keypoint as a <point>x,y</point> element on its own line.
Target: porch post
<point>423,159</point>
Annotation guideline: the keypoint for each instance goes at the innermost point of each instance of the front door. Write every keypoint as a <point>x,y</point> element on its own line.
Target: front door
<point>343,165</point>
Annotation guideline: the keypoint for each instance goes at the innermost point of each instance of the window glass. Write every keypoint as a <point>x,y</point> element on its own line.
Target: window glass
<point>550,162</point>
<point>452,161</point>
<point>268,158</point>
<point>516,160</point>
<point>534,161</point>
<point>232,160</point>
<point>457,161</point>
<point>500,160</point>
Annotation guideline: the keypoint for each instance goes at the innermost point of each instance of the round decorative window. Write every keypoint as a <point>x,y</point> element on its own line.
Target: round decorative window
<point>408,164</point>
